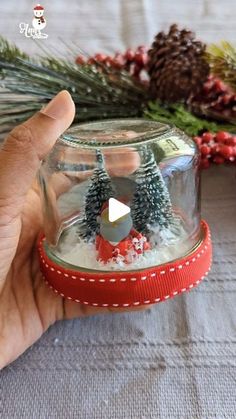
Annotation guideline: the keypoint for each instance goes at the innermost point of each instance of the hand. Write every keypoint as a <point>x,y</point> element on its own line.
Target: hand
<point>27,306</point>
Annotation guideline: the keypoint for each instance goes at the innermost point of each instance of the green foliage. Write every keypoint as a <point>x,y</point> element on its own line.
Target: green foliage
<point>99,191</point>
<point>99,92</point>
<point>182,118</point>
<point>222,60</point>
<point>10,52</point>
<point>151,205</point>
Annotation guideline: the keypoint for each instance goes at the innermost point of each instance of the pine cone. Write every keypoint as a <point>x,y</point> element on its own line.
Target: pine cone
<point>177,67</point>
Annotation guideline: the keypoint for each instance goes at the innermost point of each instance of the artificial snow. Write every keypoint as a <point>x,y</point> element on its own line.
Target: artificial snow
<point>168,245</point>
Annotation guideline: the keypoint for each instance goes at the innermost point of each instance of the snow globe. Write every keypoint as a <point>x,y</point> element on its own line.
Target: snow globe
<point>122,224</point>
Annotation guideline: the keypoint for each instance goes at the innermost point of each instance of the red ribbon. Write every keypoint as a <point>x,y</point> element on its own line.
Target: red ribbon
<point>129,288</point>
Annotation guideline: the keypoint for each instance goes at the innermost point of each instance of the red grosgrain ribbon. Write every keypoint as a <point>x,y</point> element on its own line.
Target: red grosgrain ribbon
<point>129,288</point>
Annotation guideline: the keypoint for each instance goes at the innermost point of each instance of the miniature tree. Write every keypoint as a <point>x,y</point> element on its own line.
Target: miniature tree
<point>99,192</point>
<point>151,205</point>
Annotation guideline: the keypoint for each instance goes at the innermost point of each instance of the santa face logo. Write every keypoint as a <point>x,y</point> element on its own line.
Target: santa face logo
<point>39,23</point>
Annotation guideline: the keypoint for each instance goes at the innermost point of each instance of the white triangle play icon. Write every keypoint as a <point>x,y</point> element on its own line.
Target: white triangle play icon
<point>116,210</point>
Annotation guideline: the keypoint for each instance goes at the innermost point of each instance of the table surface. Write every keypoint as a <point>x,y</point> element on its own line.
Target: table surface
<point>178,358</point>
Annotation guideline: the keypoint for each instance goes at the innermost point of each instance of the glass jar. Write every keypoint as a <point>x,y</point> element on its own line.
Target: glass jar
<point>120,200</point>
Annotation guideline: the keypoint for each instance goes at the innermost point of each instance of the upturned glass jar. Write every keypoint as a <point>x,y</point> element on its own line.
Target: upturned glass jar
<point>121,213</point>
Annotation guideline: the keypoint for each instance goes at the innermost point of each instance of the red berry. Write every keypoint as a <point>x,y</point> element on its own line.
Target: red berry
<point>119,60</point>
<point>220,86</point>
<point>129,54</point>
<point>226,151</point>
<point>136,70</point>
<point>218,160</point>
<point>207,137</point>
<point>204,164</point>
<point>100,57</point>
<point>141,58</point>
<point>80,60</point>
<point>198,140</point>
<point>205,150</point>
<point>208,86</point>
<point>221,136</point>
<point>226,99</point>
<point>215,149</point>
<point>109,61</point>
<point>231,141</point>
<point>91,61</point>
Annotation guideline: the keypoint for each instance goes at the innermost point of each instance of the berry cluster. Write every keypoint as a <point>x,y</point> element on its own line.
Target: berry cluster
<point>216,97</point>
<point>133,61</point>
<point>217,148</point>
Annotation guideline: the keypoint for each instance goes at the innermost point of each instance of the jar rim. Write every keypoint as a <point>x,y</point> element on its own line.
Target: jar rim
<point>115,133</point>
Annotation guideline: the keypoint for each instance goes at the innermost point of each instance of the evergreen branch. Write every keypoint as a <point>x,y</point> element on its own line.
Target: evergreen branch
<point>182,118</point>
<point>222,60</point>
<point>98,91</point>
<point>9,51</point>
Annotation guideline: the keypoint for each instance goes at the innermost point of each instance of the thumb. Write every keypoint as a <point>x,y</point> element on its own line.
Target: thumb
<point>25,147</point>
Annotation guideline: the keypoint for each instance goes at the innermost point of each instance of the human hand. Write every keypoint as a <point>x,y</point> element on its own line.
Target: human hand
<point>27,306</point>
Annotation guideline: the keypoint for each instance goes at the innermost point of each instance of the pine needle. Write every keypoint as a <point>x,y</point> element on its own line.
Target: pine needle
<point>222,60</point>
<point>10,51</point>
<point>99,92</point>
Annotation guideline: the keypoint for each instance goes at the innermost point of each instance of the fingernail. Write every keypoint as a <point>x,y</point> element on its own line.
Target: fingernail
<point>55,108</point>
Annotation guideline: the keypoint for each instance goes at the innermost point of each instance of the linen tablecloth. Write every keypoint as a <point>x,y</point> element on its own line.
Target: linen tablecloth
<point>177,359</point>
<point>174,360</point>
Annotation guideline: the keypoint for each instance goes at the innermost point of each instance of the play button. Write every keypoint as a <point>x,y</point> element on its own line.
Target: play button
<point>116,210</point>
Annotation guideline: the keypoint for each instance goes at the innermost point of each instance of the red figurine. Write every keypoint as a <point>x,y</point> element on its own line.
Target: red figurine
<point>119,241</point>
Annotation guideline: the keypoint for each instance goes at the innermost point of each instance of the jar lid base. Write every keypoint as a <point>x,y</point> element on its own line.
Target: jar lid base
<point>129,289</point>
